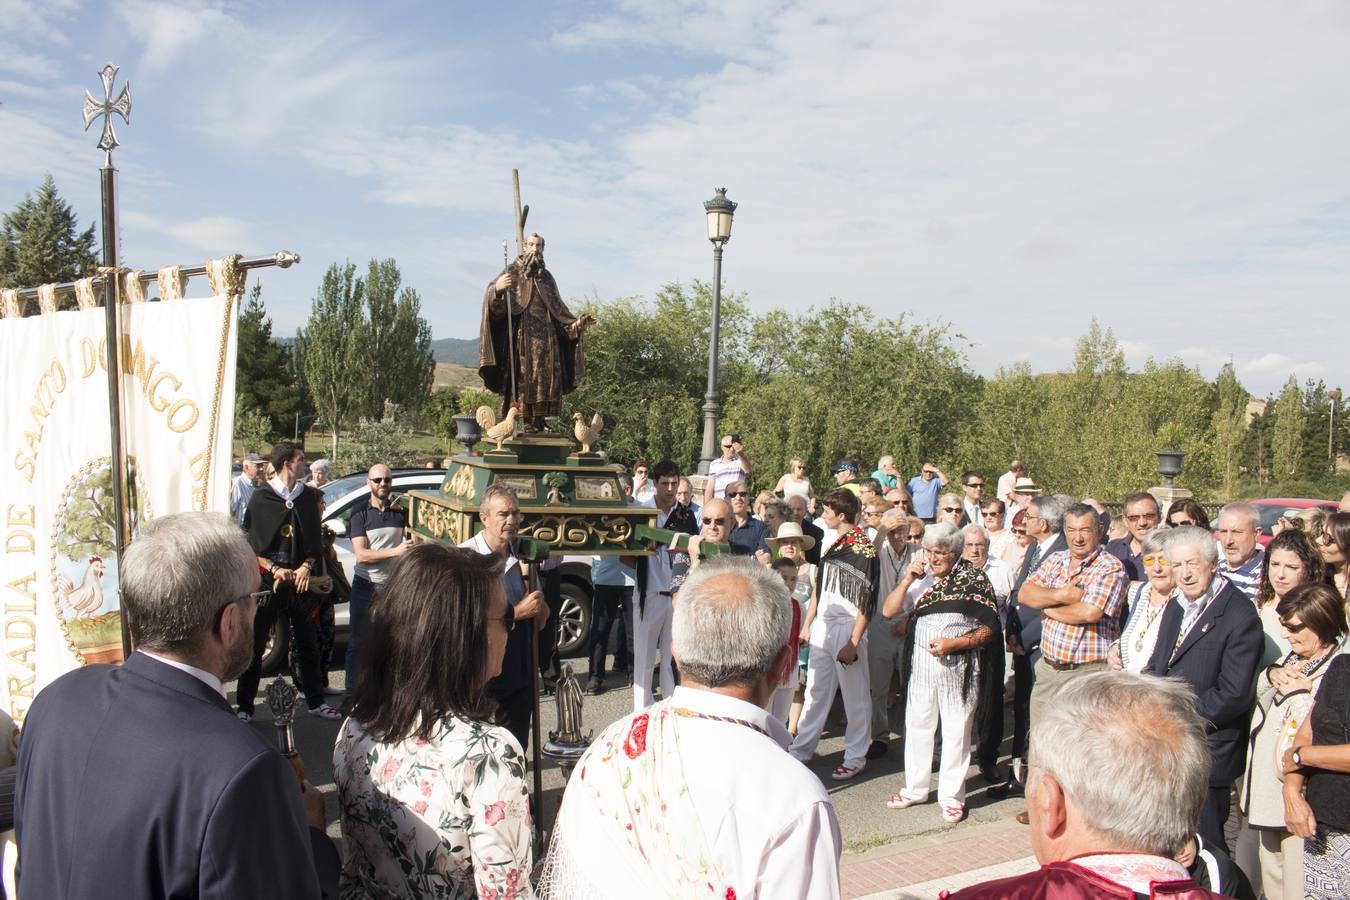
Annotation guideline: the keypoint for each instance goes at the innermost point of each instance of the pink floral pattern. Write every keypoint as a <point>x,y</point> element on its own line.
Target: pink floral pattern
<point>448,817</point>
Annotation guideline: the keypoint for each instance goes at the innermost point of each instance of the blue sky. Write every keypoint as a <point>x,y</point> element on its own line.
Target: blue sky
<point>1013,169</point>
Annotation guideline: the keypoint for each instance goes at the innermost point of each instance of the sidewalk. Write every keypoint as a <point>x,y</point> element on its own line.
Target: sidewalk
<point>918,867</point>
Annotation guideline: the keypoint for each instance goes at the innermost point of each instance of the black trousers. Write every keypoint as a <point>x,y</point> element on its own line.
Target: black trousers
<point>607,608</point>
<point>295,611</point>
<point>1024,678</point>
<point>990,736</point>
<point>1214,816</point>
<point>514,709</point>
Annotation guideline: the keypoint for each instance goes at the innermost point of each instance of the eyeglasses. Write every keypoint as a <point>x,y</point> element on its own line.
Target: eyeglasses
<point>951,509</point>
<point>1177,523</point>
<point>1019,531</point>
<point>720,520</point>
<point>734,494</point>
<point>382,480</point>
<point>915,538</point>
<point>1152,559</point>
<point>975,484</point>
<point>726,446</point>
<point>1292,627</point>
<point>1142,517</point>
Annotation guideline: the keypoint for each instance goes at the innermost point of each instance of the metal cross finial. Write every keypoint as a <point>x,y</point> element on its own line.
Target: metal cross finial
<point>93,109</point>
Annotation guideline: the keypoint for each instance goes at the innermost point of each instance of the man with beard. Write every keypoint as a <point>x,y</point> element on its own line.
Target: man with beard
<point>379,535</point>
<point>543,342</point>
<point>282,524</point>
<point>137,780</point>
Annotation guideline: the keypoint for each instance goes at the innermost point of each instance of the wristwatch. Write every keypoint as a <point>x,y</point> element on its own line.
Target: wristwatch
<point>1297,758</point>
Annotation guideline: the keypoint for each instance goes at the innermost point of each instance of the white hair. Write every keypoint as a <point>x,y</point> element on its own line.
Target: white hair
<point>1247,511</point>
<point>321,465</point>
<point>944,535</point>
<point>1191,536</point>
<point>1130,753</point>
<point>731,621</point>
<point>972,528</point>
<point>178,572</point>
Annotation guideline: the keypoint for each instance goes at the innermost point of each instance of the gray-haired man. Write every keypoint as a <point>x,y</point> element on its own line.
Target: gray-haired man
<point>776,832</point>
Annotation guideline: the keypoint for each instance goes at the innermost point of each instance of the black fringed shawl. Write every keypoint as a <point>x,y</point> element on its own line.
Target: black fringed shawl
<point>965,590</point>
<point>850,568</point>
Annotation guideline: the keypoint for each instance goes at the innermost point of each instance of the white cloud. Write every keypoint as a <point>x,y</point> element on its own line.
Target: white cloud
<point>1277,364</point>
<point>170,29</point>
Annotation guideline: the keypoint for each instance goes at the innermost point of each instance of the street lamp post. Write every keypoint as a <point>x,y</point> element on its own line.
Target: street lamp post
<point>1334,395</point>
<point>720,211</point>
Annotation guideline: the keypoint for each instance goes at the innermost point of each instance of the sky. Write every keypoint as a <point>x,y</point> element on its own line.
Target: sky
<point>1013,170</point>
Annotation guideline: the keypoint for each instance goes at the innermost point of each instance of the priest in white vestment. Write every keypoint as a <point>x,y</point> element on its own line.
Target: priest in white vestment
<point>696,796</point>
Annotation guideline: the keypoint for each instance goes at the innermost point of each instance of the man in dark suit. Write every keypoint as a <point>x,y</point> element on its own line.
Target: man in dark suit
<point>1044,523</point>
<point>138,780</point>
<point>1211,637</point>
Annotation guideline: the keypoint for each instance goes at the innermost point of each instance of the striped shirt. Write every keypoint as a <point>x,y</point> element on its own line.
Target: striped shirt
<point>1246,577</point>
<point>1102,579</point>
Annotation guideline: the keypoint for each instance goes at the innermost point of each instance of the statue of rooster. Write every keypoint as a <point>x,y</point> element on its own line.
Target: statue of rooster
<point>587,436</point>
<point>497,432</point>
<point>88,597</point>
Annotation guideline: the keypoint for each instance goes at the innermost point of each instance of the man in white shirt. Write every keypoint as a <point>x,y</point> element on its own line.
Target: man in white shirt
<point>651,614</point>
<point>244,484</point>
<point>697,796</point>
<point>1007,484</point>
<point>729,467</point>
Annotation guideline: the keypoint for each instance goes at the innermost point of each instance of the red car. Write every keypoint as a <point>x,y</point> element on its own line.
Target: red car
<point>1271,508</point>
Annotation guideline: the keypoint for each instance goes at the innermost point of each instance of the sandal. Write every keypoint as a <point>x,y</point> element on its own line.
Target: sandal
<point>844,773</point>
<point>900,801</point>
<point>324,711</point>
<point>953,814</point>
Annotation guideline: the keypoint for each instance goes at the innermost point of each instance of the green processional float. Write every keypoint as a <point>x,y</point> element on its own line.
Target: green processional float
<point>571,497</point>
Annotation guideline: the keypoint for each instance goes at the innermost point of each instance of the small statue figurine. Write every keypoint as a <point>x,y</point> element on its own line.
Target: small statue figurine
<point>569,702</point>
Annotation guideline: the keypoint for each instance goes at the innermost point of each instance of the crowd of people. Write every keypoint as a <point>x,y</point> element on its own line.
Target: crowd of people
<point>1155,669</point>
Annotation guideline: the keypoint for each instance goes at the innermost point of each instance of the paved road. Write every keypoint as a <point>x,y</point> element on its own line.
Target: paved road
<point>863,818</point>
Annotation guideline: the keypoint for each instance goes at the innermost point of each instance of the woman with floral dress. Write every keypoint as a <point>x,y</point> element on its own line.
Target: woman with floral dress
<point>433,794</point>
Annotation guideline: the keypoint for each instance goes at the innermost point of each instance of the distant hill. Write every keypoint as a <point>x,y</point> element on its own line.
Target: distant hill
<point>460,351</point>
<point>455,376</point>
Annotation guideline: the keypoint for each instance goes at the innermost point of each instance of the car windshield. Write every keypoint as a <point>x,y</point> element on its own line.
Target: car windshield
<point>333,490</point>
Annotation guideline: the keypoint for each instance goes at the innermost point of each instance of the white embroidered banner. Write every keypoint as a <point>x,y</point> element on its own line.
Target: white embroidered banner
<point>58,569</point>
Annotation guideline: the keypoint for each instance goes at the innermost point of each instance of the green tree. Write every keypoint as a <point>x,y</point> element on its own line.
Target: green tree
<point>252,430</point>
<point>1230,427</point>
<point>1286,440</point>
<point>263,369</point>
<point>397,343</point>
<point>40,243</point>
<point>332,349</point>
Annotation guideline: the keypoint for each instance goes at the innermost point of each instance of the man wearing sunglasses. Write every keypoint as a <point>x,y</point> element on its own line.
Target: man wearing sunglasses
<point>1142,515</point>
<point>137,780</point>
<point>731,466</point>
<point>379,533</point>
<point>652,614</point>
<point>749,535</point>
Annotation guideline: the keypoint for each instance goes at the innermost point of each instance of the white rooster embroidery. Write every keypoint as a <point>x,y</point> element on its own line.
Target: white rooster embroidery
<point>88,597</point>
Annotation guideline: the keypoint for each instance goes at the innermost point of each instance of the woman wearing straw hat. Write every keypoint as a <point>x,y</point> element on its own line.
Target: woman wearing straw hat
<point>791,544</point>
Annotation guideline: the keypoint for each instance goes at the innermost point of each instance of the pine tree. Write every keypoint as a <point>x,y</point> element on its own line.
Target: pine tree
<point>40,243</point>
<point>264,381</point>
<point>1230,426</point>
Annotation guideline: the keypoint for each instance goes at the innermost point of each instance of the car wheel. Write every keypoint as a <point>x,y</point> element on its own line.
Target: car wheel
<point>277,648</point>
<point>574,619</point>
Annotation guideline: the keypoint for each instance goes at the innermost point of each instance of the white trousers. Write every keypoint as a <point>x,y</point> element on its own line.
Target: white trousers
<point>651,640</point>
<point>824,673</point>
<point>924,708</point>
<point>780,704</point>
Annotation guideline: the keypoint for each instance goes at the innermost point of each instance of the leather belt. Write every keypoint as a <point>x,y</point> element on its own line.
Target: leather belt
<point>665,593</point>
<point>1068,667</point>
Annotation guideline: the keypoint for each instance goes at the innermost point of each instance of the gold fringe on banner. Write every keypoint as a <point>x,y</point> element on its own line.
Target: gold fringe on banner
<point>172,284</point>
<point>46,298</point>
<point>225,277</point>
<point>84,294</point>
<point>135,289</point>
<point>9,303</point>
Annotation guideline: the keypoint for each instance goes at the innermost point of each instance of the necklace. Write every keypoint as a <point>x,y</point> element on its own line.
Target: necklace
<point>1151,612</point>
<point>692,714</point>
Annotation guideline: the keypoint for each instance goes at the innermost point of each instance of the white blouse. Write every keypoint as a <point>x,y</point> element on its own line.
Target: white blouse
<point>1140,635</point>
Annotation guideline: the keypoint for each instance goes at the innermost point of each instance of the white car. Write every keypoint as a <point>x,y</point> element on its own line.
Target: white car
<point>344,496</point>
